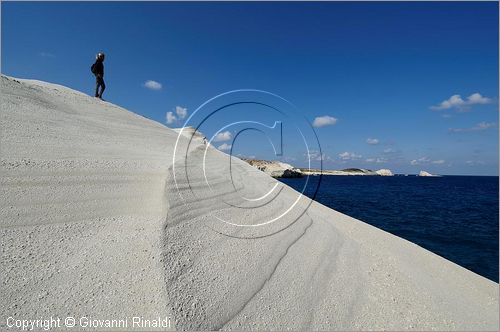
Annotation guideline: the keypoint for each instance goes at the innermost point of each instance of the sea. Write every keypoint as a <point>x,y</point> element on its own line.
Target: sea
<point>455,217</point>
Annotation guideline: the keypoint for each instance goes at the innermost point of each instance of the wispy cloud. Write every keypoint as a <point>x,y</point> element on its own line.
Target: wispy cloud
<point>420,161</point>
<point>372,141</point>
<point>181,112</point>
<point>389,150</point>
<point>456,102</point>
<point>479,127</point>
<point>170,117</point>
<point>324,120</point>
<point>474,162</point>
<point>377,160</point>
<point>152,85</point>
<point>224,147</point>
<point>315,155</point>
<point>349,156</point>
<point>47,55</point>
<point>223,136</point>
<point>427,161</point>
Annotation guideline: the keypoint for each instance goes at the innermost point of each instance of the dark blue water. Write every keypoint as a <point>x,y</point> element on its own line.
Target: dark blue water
<point>455,217</point>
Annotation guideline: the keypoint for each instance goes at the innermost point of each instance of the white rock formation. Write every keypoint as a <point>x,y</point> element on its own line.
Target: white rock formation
<point>424,173</point>
<point>384,172</point>
<point>192,133</point>
<point>276,169</point>
<point>97,219</point>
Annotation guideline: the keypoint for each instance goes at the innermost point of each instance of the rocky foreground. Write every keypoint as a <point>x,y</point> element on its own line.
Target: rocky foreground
<point>102,218</point>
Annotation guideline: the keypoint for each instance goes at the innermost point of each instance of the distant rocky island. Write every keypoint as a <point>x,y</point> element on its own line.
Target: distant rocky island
<point>278,169</point>
<point>348,171</point>
<point>424,173</point>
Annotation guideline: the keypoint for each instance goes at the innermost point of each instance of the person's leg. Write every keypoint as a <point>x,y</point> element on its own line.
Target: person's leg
<point>103,86</point>
<point>97,83</point>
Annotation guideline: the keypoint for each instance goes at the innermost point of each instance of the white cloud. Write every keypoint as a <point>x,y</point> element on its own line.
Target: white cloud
<point>389,150</point>
<point>420,161</point>
<point>224,147</point>
<point>349,156</point>
<point>325,120</point>
<point>223,136</point>
<point>152,85</point>
<point>377,160</point>
<point>453,101</point>
<point>474,162</point>
<point>314,155</point>
<point>372,141</point>
<point>485,125</point>
<point>479,127</point>
<point>181,112</point>
<point>457,102</point>
<point>245,157</point>
<point>426,161</point>
<point>476,98</point>
<point>170,117</point>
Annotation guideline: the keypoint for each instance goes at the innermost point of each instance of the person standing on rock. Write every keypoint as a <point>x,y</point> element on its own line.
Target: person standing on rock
<point>98,70</point>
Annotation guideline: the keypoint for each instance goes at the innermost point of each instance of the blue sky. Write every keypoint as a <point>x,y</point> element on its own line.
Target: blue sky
<point>404,86</point>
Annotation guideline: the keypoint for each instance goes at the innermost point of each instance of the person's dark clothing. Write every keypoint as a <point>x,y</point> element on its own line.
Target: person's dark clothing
<point>99,78</point>
<point>99,68</point>
<point>99,82</point>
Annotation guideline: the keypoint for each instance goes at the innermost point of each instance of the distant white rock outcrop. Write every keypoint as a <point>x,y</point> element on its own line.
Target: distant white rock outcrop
<point>424,173</point>
<point>384,172</point>
<point>276,169</point>
<point>348,171</point>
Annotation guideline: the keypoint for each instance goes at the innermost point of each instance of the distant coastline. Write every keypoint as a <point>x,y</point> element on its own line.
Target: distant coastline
<point>278,169</point>
<point>348,172</point>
